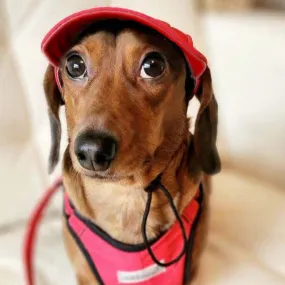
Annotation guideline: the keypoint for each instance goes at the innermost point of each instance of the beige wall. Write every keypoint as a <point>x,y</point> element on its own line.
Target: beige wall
<point>247,57</point>
<point>20,167</point>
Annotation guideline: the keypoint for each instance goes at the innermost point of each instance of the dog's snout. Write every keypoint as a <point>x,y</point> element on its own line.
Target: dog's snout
<point>95,150</point>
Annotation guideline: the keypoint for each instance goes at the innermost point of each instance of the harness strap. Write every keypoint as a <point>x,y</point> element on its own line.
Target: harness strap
<point>188,260</point>
<point>57,80</point>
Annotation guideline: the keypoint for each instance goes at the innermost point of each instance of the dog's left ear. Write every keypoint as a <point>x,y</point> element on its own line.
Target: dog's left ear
<point>54,101</point>
<point>205,136</point>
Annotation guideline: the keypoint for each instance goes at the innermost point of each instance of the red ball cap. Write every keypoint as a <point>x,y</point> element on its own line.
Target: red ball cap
<point>59,39</point>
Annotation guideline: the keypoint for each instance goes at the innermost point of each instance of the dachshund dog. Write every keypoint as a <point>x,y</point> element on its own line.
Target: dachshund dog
<point>126,89</point>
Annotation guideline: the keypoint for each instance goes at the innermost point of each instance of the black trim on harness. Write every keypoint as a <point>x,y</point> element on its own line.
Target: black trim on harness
<point>190,244</point>
<point>115,243</point>
<point>85,253</point>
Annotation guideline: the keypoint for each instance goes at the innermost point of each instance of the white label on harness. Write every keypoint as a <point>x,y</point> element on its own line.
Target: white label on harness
<point>128,277</point>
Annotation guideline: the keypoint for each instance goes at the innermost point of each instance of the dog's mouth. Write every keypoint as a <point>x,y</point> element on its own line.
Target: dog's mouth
<point>106,176</point>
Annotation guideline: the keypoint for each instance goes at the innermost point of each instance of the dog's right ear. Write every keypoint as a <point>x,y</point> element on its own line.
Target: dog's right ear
<point>54,101</point>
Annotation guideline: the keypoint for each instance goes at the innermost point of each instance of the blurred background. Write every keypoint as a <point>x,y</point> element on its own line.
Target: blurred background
<point>244,41</point>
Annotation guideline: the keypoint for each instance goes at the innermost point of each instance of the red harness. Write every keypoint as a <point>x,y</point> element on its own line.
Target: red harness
<point>113,262</point>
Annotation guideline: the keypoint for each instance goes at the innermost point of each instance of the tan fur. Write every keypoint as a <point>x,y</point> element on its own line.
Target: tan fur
<point>150,121</point>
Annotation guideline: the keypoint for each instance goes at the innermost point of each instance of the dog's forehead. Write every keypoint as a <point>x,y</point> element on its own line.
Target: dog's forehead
<point>126,40</point>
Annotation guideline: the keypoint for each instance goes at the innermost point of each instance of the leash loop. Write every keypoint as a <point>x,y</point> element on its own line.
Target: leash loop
<point>154,185</point>
<point>32,230</point>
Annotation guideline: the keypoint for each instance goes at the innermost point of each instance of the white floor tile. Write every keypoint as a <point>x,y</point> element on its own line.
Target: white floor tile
<point>51,264</point>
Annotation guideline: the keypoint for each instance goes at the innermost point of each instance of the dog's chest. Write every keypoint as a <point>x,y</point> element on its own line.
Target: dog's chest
<point>119,211</point>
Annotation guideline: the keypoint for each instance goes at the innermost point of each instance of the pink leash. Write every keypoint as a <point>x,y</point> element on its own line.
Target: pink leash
<point>32,230</point>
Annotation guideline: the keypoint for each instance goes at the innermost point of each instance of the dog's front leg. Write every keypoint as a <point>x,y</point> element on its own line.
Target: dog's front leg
<point>81,280</point>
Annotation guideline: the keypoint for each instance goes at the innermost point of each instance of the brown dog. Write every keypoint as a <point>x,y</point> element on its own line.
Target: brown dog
<point>124,90</point>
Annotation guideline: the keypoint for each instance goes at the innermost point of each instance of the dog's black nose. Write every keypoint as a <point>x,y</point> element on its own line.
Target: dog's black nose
<point>95,150</point>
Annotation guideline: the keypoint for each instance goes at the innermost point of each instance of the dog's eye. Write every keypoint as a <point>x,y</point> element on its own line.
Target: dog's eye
<point>75,66</point>
<point>153,66</point>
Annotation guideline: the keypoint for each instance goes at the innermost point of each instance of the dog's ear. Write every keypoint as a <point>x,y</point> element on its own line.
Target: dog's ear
<point>54,101</point>
<point>205,136</point>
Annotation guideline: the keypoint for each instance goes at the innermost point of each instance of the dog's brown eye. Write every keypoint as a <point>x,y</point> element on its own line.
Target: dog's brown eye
<point>75,67</point>
<point>153,66</point>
